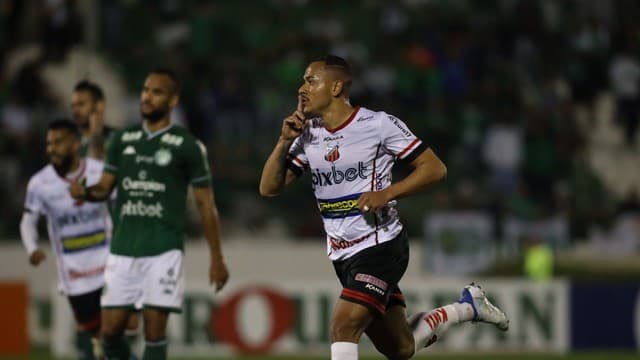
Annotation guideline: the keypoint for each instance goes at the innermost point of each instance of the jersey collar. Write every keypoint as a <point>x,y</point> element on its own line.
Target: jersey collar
<point>77,174</point>
<point>151,135</point>
<point>344,124</point>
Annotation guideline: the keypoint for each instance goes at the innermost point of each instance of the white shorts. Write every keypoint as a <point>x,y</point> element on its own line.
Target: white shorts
<point>153,281</point>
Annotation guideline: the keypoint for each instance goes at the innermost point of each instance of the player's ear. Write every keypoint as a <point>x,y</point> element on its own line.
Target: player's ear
<point>100,106</point>
<point>76,145</point>
<point>337,88</point>
<point>175,99</point>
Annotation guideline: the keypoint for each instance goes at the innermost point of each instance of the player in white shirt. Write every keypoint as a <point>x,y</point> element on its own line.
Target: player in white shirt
<point>349,152</point>
<point>79,232</point>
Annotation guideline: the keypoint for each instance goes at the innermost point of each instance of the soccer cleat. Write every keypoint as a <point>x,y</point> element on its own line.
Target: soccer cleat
<point>483,309</point>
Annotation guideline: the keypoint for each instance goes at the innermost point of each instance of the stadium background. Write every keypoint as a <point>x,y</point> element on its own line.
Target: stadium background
<point>521,99</point>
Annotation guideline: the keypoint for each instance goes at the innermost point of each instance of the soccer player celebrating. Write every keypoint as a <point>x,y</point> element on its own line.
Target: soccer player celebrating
<point>87,109</point>
<point>349,152</point>
<point>152,164</point>
<point>79,231</point>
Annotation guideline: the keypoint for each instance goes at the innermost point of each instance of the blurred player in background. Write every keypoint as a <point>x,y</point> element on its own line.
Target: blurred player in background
<point>88,106</point>
<point>152,165</point>
<point>350,152</point>
<point>79,231</point>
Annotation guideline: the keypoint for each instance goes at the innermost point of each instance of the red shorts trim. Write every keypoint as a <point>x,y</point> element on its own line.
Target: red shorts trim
<point>367,299</point>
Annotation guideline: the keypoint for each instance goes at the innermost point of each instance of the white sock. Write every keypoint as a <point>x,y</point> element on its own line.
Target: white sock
<point>98,350</point>
<point>344,351</point>
<point>464,310</point>
<point>428,327</point>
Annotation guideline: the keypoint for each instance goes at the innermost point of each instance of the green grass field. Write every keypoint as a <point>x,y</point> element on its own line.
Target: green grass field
<point>43,354</point>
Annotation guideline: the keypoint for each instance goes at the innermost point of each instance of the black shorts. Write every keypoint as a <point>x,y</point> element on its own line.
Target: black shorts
<point>370,277</point>
<point>86,310</point>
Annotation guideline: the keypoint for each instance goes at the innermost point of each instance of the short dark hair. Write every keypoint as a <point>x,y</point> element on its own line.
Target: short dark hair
<point>338,63</point>
<point>171,75</point>
<point>92,88</point>
<point>65,124</point>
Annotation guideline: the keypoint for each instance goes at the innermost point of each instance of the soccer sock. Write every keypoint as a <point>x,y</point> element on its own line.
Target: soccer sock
<point>116,348</point>
<point>428,327</point>
<point>132,337</point>
<point>155,350</point>
<point>98,350</point>
<point>344,351</point>
<point>84,345</point>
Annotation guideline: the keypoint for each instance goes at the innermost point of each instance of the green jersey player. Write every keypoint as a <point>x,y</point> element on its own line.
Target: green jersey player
<point>152,165</point>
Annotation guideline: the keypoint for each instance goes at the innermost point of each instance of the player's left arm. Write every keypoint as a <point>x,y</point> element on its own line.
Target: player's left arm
<point>208,210</point>
<point>427,169</point>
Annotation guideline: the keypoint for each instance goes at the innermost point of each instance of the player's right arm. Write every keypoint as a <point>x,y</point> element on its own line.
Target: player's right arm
<point>33,205</point>
<point>275,174</point>
<point>95,193</point>
<point>29,237</point>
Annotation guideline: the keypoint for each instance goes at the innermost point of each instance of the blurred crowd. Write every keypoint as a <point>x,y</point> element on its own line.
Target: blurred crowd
<point>494,87</point>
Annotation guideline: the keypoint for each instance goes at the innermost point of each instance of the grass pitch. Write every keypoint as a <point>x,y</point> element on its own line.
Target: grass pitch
<point>43,354</point>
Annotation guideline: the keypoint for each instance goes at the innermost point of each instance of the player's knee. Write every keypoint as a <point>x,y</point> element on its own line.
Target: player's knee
<point>154,333</point>
<point>109,331</point>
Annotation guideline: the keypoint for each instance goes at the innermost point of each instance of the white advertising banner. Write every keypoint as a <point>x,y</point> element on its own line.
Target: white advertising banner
<point>293,317</point>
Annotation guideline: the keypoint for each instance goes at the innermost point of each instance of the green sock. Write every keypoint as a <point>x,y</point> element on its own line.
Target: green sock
<point>84,345</point>
<point>116,348</point>
<point>155,350</point>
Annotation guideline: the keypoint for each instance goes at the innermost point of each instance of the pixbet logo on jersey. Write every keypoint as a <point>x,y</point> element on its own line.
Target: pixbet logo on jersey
<point>335,177</point>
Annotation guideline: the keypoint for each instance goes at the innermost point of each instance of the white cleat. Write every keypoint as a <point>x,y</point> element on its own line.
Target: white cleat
<point>483,309</point>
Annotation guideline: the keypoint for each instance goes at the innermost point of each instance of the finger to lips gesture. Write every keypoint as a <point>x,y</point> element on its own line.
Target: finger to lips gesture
<point>295,124</point>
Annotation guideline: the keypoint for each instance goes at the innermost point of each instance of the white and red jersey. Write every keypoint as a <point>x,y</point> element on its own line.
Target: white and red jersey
<point>79,232</point>
<point>344,163</point>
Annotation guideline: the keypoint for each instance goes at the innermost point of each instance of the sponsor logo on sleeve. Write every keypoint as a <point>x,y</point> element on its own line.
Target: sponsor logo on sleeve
<point>400,126</point>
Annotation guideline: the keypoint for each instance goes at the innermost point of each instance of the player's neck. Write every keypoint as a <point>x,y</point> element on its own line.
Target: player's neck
<point>75,166</point>
<point>69,169</point>
<point>337,114</point>
<point>86,133</point>
<point>155,126</point>
<point>85,130</point>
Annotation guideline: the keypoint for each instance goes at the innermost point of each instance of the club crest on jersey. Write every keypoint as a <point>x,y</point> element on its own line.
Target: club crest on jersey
<point>332,154</point>
<point>162,157</point>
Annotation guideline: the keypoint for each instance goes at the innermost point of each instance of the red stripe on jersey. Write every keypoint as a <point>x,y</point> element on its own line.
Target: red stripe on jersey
<point>373,183</point>
<point>408,148</point>
<point>398,296</point>
<point>356,295</point>
<point>344,124</point>
<point>298,161</point>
